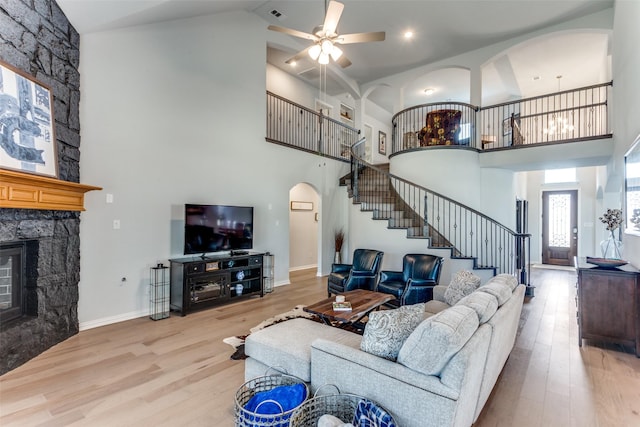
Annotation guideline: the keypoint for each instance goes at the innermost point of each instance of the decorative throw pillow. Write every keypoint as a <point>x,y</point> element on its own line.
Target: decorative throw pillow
<point>368,414</point>
<point>463,283</point>
<point>484,304</point>
<point>386,330</point>
<point>436,340</point>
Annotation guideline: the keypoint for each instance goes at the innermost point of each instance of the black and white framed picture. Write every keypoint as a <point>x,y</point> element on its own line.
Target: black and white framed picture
<point>382,142</point>
<point>27,140</point>
<point>506,126</point>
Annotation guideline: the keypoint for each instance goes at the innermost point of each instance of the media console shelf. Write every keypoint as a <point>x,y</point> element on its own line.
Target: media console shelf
<point>199,282</point>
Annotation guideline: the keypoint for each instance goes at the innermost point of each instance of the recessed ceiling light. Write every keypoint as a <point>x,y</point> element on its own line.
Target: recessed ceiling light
<point>429,91</point>
<point>408,34</point>
<point>293,63</point>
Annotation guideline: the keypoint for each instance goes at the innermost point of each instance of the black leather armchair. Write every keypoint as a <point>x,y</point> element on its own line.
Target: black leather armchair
<point>414,284</point>
<point>362,274</point>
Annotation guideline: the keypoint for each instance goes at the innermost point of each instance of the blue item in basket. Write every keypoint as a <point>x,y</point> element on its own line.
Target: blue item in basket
<point>288,396</point>
<point>368,414</point>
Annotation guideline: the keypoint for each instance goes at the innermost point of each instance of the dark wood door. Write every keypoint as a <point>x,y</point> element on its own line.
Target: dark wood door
<point>559,226</point>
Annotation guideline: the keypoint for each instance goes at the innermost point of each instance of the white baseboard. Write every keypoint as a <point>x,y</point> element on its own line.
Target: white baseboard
<point>132,315</point>
<point>303,267</point>
<point>113,319</point>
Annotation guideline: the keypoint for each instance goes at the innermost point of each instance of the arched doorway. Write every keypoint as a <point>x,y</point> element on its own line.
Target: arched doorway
<point>304,208</point>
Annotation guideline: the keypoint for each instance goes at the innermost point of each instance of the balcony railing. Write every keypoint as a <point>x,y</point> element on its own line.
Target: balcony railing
<point>408,124</point>
<point>567,116</point>
<point>299,127</point>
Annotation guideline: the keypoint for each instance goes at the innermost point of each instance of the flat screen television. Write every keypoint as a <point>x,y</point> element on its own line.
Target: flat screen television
<point>214,228</point>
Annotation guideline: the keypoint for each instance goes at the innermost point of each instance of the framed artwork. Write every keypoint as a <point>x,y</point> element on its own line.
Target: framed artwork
<point>382,142</point>
<point>301,206</point>
<point>506,126</point>
<point>27,140</point>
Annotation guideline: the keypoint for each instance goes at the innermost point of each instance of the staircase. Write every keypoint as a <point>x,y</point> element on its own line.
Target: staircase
<point>446,224</point>
<point>375,195</point>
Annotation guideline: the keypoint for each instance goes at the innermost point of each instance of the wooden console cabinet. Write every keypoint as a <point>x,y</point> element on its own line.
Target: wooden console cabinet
<point>198,282</point>
<point>608,302</point>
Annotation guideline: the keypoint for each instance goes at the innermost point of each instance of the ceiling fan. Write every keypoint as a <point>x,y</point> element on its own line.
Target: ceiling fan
<point>325,38</point>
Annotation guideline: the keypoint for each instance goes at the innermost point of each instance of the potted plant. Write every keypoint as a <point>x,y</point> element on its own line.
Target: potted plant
<point>338,239</point>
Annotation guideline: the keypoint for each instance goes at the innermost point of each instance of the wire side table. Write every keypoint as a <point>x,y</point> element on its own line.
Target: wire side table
<point>159,292</point>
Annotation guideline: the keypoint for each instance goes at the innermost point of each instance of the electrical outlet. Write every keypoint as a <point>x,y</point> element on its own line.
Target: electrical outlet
<point>116,224</point>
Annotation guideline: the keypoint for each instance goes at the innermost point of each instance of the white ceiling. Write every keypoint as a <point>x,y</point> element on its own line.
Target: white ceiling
<point>442,29</point>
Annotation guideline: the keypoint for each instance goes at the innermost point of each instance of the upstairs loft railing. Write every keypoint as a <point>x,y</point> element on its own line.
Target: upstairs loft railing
<point>299,127</point>
<point>449,224</point>
<point>568,116</point>
<point>410,126</point>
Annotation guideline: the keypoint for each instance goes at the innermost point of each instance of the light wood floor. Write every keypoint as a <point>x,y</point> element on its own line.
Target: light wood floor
<point>177,371</point>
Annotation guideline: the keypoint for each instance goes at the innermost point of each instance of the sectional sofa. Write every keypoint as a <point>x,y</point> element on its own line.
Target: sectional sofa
<point>443,372</point>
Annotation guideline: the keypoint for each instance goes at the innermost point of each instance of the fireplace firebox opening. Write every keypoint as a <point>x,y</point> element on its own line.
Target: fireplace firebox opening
<point>18,280</point>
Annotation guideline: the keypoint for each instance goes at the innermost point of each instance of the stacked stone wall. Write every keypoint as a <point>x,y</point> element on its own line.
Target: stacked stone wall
<point>38,39</point>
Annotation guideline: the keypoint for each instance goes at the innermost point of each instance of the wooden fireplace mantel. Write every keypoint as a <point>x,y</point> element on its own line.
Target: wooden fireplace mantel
<point>29,191</point>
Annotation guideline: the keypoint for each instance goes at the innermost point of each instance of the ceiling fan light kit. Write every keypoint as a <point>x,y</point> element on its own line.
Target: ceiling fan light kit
<point>314,52</point>
<point>325,38</point>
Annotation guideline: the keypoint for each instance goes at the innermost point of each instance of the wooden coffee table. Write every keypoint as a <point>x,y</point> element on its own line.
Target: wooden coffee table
<point>362,302</point>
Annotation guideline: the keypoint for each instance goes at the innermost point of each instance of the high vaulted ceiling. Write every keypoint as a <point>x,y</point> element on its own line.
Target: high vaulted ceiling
<point>442,29</point>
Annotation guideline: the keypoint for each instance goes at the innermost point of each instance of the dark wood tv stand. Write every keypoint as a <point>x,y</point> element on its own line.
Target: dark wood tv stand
<point>204,281</point>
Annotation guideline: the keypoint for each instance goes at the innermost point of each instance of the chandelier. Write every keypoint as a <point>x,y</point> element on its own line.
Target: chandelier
<point>559,124</point>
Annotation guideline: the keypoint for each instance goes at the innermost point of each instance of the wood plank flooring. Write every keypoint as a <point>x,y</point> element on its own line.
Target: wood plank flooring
<point>177,371</point>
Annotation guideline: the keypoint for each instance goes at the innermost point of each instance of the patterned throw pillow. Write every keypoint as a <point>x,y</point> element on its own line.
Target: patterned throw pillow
<point>368,414</point>
<point>386,330</point>
<point>463,283</point>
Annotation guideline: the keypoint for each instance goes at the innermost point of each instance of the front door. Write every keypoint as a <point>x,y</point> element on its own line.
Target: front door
<point>559,227</point>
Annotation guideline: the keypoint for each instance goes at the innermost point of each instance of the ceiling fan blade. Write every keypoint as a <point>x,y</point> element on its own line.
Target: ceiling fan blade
<point>343,61</point>
<point>298,56</point>
<point>360,37</point>
<point>292,32</point>
<point>334,11</point>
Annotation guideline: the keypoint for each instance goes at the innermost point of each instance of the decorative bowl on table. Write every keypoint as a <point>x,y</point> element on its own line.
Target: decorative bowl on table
<point>606,262</point>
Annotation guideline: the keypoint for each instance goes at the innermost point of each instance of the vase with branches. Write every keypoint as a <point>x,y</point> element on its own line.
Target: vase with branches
<point>338,239</point>
<point>612,246</point>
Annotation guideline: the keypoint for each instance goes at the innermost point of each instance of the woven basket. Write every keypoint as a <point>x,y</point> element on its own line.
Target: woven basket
<point>342,406</point>
<point>245,418</point>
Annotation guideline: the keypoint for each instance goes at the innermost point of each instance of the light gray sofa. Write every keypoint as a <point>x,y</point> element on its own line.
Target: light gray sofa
<point>445,370</point>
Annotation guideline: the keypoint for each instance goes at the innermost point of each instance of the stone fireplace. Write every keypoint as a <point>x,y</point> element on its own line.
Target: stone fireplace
<point>50,294</point>
<point>41,215</point>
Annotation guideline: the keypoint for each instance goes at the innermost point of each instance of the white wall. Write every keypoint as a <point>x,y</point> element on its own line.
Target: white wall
<point>380,120</point>
<point>303,228</point>
<point>626,93</point>
<point>451,172</point>
<point>172,115</point>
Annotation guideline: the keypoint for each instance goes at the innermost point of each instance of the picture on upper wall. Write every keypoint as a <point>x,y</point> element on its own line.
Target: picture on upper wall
<point>27,141</point>
<point>382,142</point>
